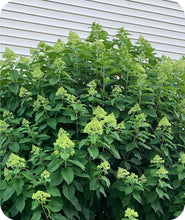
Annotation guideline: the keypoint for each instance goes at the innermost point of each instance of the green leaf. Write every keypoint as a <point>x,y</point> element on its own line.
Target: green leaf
<point>18,184</point>
<point>53,81</point>
<point>54,165</point>
<point>14,75</point>
<point>14,87</point>
<point>130,147</point>
<point>181,176</point>
<point>35,204</point>
<point>78,163</point>
<point>54,191</point>
<point>115,152</point>
<point>57,216</point>
<point>55,204</point>
<point>52,123</point>
<point>93,151</point>
<point>82,142</point>
<point>14,147</point>
<point>8,193</point>
<point>128,190</point>
<point>36,215</point>
<point>137,197</point>
<point>67,174</point>
<point>20,203</point>
<point>151,196</point>
<point>68,191</point>
<point>38,116</point>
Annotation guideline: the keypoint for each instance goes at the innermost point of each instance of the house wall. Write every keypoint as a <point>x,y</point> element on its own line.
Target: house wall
<point>24,23</point>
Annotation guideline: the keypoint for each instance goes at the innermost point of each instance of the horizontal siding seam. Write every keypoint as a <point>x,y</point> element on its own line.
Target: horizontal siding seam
<point>177,31</point>
<point>89,8</point>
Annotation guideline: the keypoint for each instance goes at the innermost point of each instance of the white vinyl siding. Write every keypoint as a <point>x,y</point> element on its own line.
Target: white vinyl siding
<point>24,23</point>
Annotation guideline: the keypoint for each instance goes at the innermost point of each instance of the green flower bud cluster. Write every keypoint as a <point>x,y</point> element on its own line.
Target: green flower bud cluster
<point>9,55</point>
<point>7,172</point>
<point>58,47</point>
<point>61,91</point>
<point>45,175</point>
<point>157,160</point>
<point>70,98</point>
<point>142,80</point>
<point>25,122</point>
<point>117,90</point>
<point>41,196</point>
<point>99,113</point>
<point>94,127</point>
<point>92,84</point>
<point>141,117</point>
<point>182,159</point>
<point>134,109</point>
<point>110,120</point>
<point>59,63</point>
<point>161,172</point>
<point>131,214</point>
<point>40,102</point>
<point>121,126</point>
<point>8,114</point>
<point>3,126</point>
<point>92,91</point>
<point>15,161</point>
<point>122,173</point>
<point>24,60</point>
<point>163,123</point>
<point>24,93</point>
<point>35,150</point>
<point>104,166</point>
<point>63,144</point>
<point>37,73</point>
<point>130,178</point>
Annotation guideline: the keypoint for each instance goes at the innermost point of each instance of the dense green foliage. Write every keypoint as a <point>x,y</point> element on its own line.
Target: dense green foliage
<point>92,130</point>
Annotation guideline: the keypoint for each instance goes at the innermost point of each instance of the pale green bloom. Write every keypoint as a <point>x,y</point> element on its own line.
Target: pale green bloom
<point>24,93</point>
<point>110,120</point>
<point>133,178</point>
<point>37,73</point>
<point>121,126</point>
<point>131,214</point>
<point>15,161</point>
<point>70,98</point>
<point>141,117</point>
<point>9,55</point>
<point>3,126</point>
<point>92,92</point>
<point>92,84</point>
<point>61,91</point>
<point>122,173</point>
<point>142,179</point>
<point>117,90</point>
<point>164,123</point>
<point>94,127</point>
<point>182,159</point>
<point>24,60</point>
<point>104,166</point>
<point>25,122</point>
<point>7,172</point>
<point>161,172</point>
<point>73,37</point>
<point>59,63</point>
<point>134,109</point>
<point>45,175</point>
<point>8,114</point>
<point>35,150</point>
<point>40,102</point>
<point>99,112</point>
<point>41,196</point>
<point>58,47</point>
<point>63,145</point>
<point>157,160</point>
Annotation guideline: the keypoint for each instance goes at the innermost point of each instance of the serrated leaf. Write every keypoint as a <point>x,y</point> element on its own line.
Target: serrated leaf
<point>20,203</point>
<point>14,87</point>
<point>67,174</point>
<point>93,151</point>
<point>54,191</point>
<point>14,147</point>
<point>36,215</point>
<point>18,184</point>
<point>78,163</point>
<point>8,193</point>
<point>53,81</point>
<point>68,191</point>
<point>115,152</point>
<point>52,123</point>
<point>55,204</point>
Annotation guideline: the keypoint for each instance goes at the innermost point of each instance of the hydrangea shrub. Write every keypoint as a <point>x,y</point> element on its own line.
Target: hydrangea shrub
<point>92,129</point>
